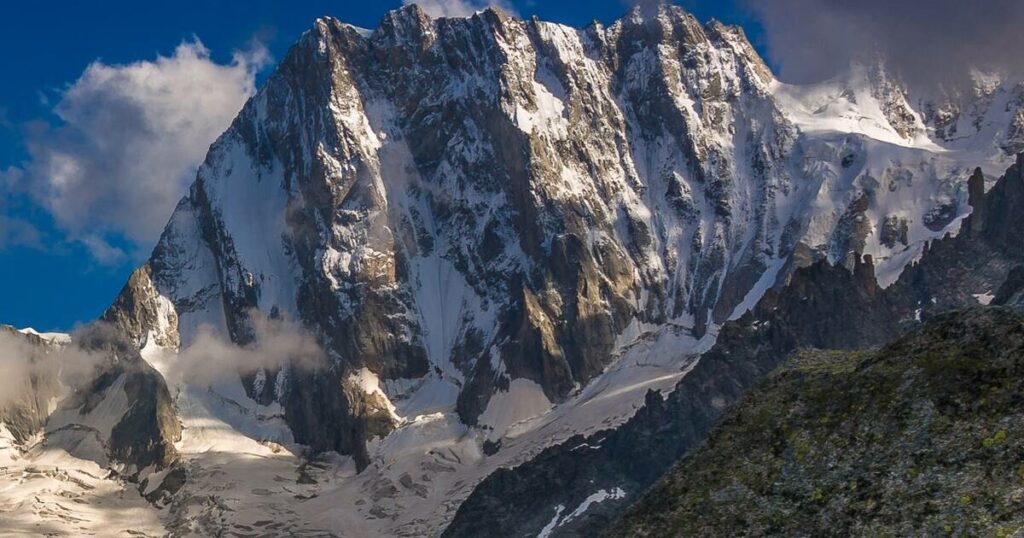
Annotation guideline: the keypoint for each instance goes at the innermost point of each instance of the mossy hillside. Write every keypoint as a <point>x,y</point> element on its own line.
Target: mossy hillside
<point>924,437</point>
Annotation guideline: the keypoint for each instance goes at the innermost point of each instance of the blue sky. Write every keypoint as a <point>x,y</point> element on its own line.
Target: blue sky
<point>50,279</point>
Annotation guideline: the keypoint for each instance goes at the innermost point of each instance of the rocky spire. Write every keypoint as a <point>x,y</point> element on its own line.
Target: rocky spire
<point>975,224</point>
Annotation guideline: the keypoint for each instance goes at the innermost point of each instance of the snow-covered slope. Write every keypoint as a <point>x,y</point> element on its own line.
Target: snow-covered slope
<point>503,233</point>
<point>44,491</point>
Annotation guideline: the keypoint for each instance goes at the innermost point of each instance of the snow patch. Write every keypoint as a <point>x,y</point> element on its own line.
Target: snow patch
<point>553,524</point>
<point>599,496</point>
<point>984,298</point>
<point>510,413</point>
<point>51,338</point>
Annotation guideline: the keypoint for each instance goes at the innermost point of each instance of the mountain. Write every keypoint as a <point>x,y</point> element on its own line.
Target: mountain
<point>822,306</point>
<point>502,236</point>
<point>913,439</point>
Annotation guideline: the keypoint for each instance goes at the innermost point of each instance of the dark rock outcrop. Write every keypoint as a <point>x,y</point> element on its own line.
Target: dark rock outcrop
<point>81,373</point>
<point>146,432</point>
<point>918,438</point>
<point>1011,293</point>
<point>24,411</point>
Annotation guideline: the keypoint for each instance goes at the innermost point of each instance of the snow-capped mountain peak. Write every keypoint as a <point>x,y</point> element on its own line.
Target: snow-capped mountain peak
<point>504,232</point>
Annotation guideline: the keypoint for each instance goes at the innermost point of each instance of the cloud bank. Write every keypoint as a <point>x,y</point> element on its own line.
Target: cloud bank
<point>128,143</point>
<point>30,369</point>
<point>927,42</point>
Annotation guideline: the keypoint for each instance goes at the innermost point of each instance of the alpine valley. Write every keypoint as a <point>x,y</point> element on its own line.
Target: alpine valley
<point>487,276</point>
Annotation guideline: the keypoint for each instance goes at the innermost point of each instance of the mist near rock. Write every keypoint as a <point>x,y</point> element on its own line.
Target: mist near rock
<point>25,364</point>
<point>211,357</point>
<point>927,43</point>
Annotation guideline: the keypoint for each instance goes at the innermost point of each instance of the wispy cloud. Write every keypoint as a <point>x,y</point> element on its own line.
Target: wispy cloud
<point>210,357</point>
<point>14,231</point>
<point>128,141</point>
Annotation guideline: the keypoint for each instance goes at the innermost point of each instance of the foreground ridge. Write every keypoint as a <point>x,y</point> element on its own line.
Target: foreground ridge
<point>916,438</point>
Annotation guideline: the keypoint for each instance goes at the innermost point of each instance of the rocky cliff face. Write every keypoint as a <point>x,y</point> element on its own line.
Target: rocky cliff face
<point>1011,293</point>
<point>461,203</point>
<point>913,439</point>
<point>992,105</point>
<point>91,395</point>
<point>25,405</point>
<point>822,306</point>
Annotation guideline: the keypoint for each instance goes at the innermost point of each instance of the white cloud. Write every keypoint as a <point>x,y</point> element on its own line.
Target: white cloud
<point>60,370</point>
<point>210,357</point>
<point>457,8</point>
<point>102,251</point>
<point>129,141</point>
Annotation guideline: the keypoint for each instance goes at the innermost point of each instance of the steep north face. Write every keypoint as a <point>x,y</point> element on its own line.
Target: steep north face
<point>463,203</point>
<point>504,232</point>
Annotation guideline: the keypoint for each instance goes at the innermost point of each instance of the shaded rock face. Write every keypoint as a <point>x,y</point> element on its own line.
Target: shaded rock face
<point>1002,210</point>
<point>822,306</point>
<point>116,400</point>
<point>24,414</point>
<point>894,229</point>
<point>484,199</point>
<point>917,438</point>
<point>1011,293</point>
<point>954,271</point>
<point>147,425</point>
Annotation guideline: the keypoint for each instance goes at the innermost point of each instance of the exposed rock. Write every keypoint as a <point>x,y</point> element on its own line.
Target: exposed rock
<point>940,216</point>
<point>146,431</point>
<point>1002,209</point>
<point>822,306</point>
<point>852,230</point>
<point>116,408</point>
<point>170,483</point>
<point>24,413</point>
<point>892,98</point>
<point>894,229</point>
<point>975,223</point>
<point>1011,293</point>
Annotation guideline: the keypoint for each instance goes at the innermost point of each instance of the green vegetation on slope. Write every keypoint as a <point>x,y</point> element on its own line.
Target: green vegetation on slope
<point>924,437</point>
